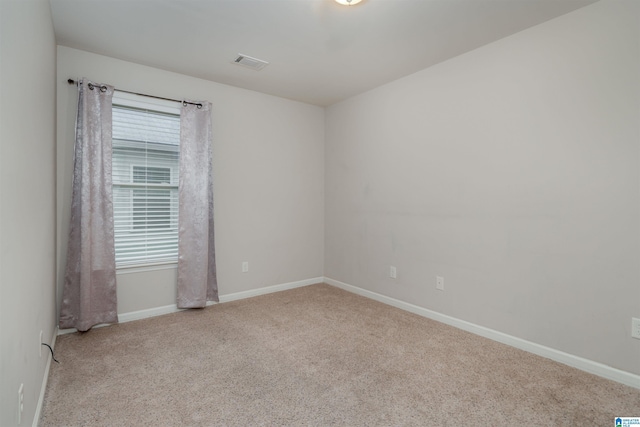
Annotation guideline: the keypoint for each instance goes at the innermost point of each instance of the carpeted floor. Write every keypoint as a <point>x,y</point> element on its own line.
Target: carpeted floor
<point>314,356</point>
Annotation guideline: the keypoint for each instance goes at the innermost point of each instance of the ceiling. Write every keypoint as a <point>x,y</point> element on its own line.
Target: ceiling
<point>318,51</point>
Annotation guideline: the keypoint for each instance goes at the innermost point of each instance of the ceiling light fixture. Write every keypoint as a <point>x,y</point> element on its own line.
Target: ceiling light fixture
<point>348,2</point>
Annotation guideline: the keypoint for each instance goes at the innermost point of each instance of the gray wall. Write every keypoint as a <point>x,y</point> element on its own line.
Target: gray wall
<point>27,201</point>
<point>268,167</point>
<point>513,172</point>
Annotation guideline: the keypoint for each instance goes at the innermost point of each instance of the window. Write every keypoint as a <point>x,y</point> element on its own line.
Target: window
<point>146,148</point>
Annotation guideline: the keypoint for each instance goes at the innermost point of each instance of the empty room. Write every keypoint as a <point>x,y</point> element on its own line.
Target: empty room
<point>319,212</point>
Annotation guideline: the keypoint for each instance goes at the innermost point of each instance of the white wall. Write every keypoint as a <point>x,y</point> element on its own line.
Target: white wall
<point>512,171</point>
<point>27,202</point>
<point>268,179</point>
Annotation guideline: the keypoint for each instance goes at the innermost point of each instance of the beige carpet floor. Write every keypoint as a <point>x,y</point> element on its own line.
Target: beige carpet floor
<point>314,356</point>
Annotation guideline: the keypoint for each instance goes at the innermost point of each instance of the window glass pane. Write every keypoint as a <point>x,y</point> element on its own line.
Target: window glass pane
<point>145,185</point>
<point>152,175</point>
<point>151,209</point>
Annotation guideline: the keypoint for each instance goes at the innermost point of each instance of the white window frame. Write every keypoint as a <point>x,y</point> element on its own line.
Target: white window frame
<point>163,106</point>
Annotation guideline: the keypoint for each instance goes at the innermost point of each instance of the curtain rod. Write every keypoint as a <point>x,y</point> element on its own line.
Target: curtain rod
<point>183,102</point>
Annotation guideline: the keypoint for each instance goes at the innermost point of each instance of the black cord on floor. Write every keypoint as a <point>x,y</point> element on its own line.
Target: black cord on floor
<point>54,359</point>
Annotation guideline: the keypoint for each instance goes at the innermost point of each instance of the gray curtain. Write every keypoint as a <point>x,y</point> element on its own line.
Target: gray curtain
<point>89,295</point>
<point>197,282</point>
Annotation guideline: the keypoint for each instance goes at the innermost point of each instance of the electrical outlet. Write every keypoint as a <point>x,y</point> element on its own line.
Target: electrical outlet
<point>245,266</point>
<point>393,273</point>
<point>40,343</point>
<point>440,283</point>
<point>20,403</point>
<point>635,327</point>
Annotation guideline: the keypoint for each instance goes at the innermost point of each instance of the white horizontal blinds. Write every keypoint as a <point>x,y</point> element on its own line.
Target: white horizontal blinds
<point>145,185</point>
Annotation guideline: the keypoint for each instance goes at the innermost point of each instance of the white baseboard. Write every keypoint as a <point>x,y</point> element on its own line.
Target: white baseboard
<point>269,289</point>
<point>173,308</point>
<point>45,380</point>
<point>149,312</point>
<point>577,362</point>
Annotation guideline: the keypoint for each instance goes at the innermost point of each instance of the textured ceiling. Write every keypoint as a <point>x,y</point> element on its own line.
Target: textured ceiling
<point>319,52</point>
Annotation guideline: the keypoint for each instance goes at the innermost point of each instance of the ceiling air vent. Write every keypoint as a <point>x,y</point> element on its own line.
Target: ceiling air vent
<point>253,63</point>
